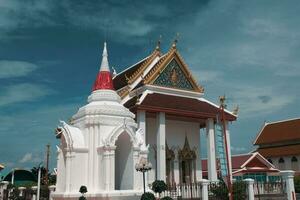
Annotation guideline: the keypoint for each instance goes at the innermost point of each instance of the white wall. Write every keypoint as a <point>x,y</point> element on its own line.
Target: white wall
<point>175,137</point>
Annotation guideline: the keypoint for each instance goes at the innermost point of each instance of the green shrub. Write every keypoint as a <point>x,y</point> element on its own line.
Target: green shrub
<point>148,196</point>
<point>297,184</point>
<point>166,198</point>
<point>159,186</point>
<point>220,191</point>
<point>83,189</point>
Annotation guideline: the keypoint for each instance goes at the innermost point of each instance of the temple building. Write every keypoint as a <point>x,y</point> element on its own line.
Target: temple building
<point>279,142</point>
<point>154,109</point>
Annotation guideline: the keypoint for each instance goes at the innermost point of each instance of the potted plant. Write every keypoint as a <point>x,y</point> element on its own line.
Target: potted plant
<point>148,196</point>
<point>82,190</point>
<point>159,186</point>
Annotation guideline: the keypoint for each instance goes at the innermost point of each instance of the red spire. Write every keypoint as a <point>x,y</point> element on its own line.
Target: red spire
<point>104,78</point>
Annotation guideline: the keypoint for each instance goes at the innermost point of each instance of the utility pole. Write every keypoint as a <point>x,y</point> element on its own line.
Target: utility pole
<point>47,162</point>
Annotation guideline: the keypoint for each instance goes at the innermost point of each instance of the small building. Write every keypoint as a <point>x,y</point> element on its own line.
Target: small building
<point>279,142</point>
<point>251,165</point>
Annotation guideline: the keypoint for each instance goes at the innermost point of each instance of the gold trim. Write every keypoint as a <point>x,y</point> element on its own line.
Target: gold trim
<point>162,63</point>
<point>142,68</point>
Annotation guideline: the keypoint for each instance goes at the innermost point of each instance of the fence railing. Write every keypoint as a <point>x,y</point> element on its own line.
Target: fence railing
<point>184,191</point>
<point>267,190</point>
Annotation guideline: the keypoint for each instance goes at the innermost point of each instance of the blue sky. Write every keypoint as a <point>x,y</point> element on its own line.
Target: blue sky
<point>50,53</point>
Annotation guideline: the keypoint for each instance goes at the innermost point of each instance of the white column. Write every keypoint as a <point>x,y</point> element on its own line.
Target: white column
<point>161,150</point>
<point>21,189</point>
<point>112,167</point>
<point>228,147</point>
<point>141,121</point>
<point>199,159</point>
<point>51,190</point>
<point>68,171</point>
<point>250,188</point>
<point>288,177</point>
<point>137,176</point>
<point>211,152</point>
<point>204,191</point>
<point>106,169</point>
<point>34,188</point>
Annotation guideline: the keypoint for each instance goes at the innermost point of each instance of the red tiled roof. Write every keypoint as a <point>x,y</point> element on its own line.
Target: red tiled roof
<point>288,130</point>
<point>237,161</point>
<point>244,163</point>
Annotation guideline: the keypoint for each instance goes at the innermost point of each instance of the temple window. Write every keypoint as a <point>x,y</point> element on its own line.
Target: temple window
<point>294,162</point>
<point>187,163</point>
<point>281,163</point>
<point>170,157</point>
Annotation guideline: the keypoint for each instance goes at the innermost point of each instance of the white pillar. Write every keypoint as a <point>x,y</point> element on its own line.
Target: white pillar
<point>228,148</point>
<point>288,177</point>
<point>250,188</point>
<point>21,189</point>
<point>51,190</point>
<point>68,171</point>
<point>211,152</point>
<point>141,121</point>
<point>106,169</point>
<point>34,188</point>
<point>137,176</point>
<point>161,150</point>
<point>204,190</point>
<point>199,160</point>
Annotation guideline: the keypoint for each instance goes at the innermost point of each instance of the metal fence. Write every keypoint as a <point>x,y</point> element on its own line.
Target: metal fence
<point>25,194</point>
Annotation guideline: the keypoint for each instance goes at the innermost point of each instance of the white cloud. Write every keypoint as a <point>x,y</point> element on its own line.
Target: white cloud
<point>263,100</point>
<point>9,68</point>
<point>25,92</point>
<point>30,157</point>
<point>26,158</point>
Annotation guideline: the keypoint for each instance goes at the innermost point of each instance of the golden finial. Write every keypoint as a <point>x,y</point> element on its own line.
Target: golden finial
<point>236,110</point>
<point>175,40</point>
<point>222,100</point>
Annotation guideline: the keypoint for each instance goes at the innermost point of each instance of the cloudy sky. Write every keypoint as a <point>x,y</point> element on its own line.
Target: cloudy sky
<point>50,53</point>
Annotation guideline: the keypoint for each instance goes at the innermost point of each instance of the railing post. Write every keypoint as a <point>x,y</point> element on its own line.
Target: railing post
<point>288,177</point>
<point>204,192</point>
<point>51,190</point>
<point>3,186</point>
<point>250,188</point>
<point>34,188</point>
<point>21,189</point>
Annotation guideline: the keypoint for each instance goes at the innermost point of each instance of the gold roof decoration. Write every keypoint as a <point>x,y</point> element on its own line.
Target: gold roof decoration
<point>186,153</point>
<point>142,68</point>
<point>162,63</point>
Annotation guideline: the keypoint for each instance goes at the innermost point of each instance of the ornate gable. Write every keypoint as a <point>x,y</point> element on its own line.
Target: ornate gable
<point>171,71</point>
<point>173,76</point>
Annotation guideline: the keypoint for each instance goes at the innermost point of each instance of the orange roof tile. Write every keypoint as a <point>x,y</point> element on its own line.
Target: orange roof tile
<point>280,151</point>
<point>275,132</point>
